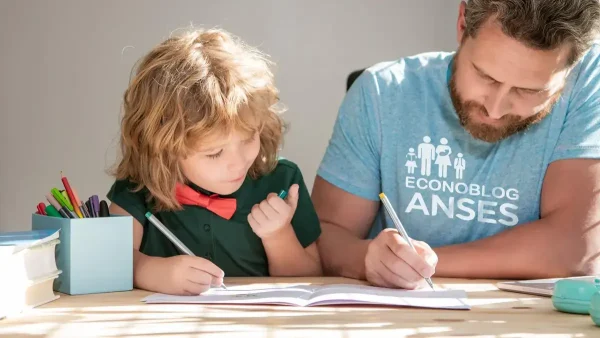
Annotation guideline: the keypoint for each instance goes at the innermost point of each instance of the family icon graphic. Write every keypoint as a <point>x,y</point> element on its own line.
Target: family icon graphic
<point>428,155</point>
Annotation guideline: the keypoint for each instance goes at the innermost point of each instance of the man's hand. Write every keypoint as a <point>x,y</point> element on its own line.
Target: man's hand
<point>391,262</point>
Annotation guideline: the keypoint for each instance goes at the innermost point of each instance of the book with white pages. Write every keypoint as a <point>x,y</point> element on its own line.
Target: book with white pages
<point>21,297</point>
<point>321,295</point>
<point>28,255</point>
<point>28,269</point>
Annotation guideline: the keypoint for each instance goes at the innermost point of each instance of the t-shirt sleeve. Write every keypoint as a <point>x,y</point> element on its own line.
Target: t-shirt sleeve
<point>580,134</point>
<point>305,221</point>
<point>122,193</point>
<point>352,158</point>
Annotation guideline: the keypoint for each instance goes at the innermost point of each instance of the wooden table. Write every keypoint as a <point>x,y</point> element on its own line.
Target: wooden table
<point>494,313</point>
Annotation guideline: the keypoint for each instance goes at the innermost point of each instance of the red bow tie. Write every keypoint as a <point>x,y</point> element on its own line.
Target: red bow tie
<point>224,207</point>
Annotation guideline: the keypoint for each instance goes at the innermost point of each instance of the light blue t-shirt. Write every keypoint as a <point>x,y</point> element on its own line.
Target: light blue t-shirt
<point>397,132</point>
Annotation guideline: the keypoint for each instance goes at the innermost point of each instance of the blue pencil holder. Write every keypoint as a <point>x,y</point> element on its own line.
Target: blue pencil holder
<point>94,254</point>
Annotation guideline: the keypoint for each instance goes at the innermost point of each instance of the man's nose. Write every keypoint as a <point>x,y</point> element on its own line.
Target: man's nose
<point>496,102</point>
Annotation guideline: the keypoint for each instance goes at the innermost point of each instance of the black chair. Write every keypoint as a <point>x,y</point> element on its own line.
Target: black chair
<point>353,76</point>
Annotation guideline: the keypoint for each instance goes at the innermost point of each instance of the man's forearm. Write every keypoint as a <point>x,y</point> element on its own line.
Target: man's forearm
<point>538,249</point>
<point>342,253</point>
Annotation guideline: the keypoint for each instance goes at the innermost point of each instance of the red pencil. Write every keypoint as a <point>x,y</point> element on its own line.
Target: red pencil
<point>71,195</point>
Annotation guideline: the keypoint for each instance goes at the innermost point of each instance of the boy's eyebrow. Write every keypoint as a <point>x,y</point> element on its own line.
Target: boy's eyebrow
<point>222,145</point>
<point>212,148</point>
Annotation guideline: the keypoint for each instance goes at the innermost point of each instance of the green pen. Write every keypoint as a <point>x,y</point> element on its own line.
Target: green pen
<point>51,211</point>
<point>282,194</point>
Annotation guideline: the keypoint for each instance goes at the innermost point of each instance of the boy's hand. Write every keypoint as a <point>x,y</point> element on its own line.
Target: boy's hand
<point>273,214</point>
<point>188,275</point>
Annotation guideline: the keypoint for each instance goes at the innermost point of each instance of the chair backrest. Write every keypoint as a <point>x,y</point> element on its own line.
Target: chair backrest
<point>353,76</point>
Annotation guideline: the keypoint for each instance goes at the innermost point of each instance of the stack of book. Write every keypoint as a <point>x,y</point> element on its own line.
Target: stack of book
<point>27,270</point>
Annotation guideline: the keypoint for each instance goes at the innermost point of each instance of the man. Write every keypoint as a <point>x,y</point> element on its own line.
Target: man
<point>520,102</point>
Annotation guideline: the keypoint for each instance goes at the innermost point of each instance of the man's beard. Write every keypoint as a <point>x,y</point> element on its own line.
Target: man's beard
<point>511,124</point>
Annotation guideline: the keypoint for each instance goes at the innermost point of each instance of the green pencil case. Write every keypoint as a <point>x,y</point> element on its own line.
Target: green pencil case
<point>574,296</point>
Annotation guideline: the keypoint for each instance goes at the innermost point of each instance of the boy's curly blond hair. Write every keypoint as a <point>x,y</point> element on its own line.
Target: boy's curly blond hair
<point>188,88</point>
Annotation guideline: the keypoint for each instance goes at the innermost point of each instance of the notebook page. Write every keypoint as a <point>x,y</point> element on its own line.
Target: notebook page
<point>323,295</point>
<point>235,295</point>
<point>362,294</point>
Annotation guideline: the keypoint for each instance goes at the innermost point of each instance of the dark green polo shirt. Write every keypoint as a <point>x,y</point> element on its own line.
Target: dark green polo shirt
<point>230,244</point>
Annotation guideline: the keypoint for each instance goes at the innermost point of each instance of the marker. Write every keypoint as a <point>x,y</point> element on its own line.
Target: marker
<point>88,205</point>
<point>282,194</point>
<point>81,206</point>
<point>179,244</point>
<point>104,209</point>
<point>64,212</point>
<point>41,208</point>
<point>73,208</point>
<point>71,195</point>
<point>51,211</point>
<point>396,220</point>
<point>86,210</point>
<point>58,198</point>
<point>66,198</point>
<point>95,204</point>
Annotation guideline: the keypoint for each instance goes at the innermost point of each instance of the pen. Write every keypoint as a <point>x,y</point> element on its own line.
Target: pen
<point>66,198</point>
<point>282,194</point>
<point>60,199</point>
<point>392,213</point>
<point>172,237</point>
<point>71,195</point>
<point>64,212</point>
<point>95,204</point>
<point>82,207</point>
<point>89,207</point>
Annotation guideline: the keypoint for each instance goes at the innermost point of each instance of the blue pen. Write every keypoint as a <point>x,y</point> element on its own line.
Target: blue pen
<point>282,194</point>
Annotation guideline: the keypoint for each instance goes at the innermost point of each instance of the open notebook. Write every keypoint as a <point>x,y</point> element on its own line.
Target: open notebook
<point>312,295</point>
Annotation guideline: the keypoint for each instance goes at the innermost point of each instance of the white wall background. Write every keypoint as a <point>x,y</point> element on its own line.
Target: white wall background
<point>64,66</point>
